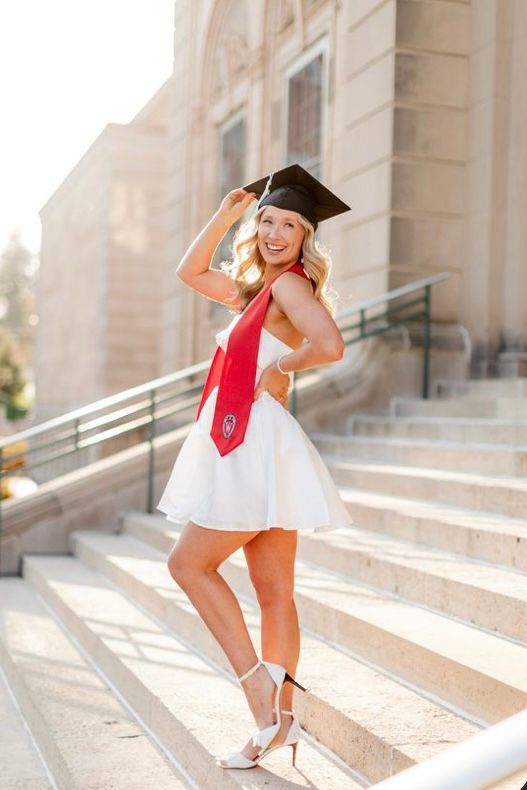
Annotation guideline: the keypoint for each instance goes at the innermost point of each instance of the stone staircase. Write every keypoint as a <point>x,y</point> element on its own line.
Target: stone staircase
<point>414,622</point>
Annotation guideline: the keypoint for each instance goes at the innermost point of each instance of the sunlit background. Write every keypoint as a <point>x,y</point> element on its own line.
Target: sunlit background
<point>68,68</point>
<point>125,123</point>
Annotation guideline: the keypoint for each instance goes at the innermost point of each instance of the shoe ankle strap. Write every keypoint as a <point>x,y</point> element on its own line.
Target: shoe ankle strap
<point>249,671</point>
<point>287,711</point>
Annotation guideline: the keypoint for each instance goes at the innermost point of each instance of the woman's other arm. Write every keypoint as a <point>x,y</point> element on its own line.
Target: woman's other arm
<point>325,344</point>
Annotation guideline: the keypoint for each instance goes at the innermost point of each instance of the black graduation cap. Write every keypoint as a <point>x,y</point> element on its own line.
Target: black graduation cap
<point>296,189</point>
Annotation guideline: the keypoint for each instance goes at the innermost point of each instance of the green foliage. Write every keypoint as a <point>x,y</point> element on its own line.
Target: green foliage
<point>12,382</point>
<point>17,270</point>
<point>17,274</point>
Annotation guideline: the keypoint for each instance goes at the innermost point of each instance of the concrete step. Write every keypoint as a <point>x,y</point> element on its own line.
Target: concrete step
<point>481,388</point>
<point>180,696</point>
<point>498,408</point>
<point>22,765</point>
<point>482,535</point>
<point>449,429</point>
<point>361,721</point>
<point>503,495</point>
<point>478,672</point>
<point>492,597</point>
<point>484,594</point>
<point>485,459</point>
<point>88,739</point>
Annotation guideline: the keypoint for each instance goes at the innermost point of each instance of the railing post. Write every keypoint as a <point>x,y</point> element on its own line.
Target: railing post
<point>293,395</point>
<point>151,434</point>
<point>426,342</point>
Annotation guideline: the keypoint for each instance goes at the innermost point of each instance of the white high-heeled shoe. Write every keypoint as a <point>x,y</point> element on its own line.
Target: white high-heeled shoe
<point>264,737</point>
<point>292,737</point>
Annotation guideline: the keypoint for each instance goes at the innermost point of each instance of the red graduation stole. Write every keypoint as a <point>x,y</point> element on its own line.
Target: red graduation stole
<point>235,372</point>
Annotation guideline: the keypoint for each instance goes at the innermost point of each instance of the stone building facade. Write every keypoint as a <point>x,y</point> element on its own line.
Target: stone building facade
<point>102,257</point>
<point>413,111</point>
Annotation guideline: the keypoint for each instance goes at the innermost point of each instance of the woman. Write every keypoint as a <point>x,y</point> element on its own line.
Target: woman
<point>247,474</point>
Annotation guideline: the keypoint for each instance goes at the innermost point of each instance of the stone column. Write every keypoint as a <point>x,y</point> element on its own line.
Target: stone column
<point>429,148</point>
<point>513,360</point>
<point>486,189</point>
<point>178,307</point>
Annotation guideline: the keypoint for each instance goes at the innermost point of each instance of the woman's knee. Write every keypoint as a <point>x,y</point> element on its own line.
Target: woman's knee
<point>272,592</point>
<point>182,569</point>
<point>199,551</point>
<point>271,562</point>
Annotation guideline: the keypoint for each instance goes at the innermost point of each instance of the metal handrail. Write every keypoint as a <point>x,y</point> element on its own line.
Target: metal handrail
<point>403,290</point>
<point>497,752</point>
<point>143,407</point>
<point>110,400</point>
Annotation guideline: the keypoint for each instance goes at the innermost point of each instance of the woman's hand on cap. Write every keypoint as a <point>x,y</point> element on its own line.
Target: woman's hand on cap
<point>235,203</point>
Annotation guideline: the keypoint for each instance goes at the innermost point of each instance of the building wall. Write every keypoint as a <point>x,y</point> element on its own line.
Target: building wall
<point>394,137</point>
<point>496,233</point>
<point>424,122</point>
<point>102,261</point>
<point>362,143</point>
<point>135,256</point>
<point>69,337</point>
<point>482,293</point>
<point>177,304</point>
<point>231,57</point>
<point>514,313</point>
<point>428,162</point>
<point>423,135</point>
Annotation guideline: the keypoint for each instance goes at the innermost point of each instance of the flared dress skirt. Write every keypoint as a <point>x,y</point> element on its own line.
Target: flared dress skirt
<point>274,478</point>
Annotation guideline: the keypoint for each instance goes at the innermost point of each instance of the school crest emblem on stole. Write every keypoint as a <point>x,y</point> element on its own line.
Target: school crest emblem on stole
<point>228,425</point>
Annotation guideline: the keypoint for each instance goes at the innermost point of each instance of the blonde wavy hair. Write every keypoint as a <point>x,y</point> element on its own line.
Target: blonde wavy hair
<point>247,266</point>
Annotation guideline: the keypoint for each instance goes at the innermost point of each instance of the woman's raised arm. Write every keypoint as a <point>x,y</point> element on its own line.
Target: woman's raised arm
<point>194,268</point>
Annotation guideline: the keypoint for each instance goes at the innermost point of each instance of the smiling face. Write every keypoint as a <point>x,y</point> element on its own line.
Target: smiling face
<point>280,236</point>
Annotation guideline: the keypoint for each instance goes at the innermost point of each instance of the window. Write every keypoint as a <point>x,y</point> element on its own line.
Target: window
<point>231,175</point>
<point>304,116</point>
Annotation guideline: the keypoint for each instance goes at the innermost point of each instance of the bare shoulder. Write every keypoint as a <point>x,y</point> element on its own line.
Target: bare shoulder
<point>290,288</point>
<point>291,284</point>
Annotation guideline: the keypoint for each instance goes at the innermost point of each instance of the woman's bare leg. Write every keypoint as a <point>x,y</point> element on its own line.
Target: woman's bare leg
<point>271,562</point>
<point>270,559</point>
<point>193,563</point>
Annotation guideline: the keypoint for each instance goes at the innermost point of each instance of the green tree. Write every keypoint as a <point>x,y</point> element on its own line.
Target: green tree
<point>17,274</point>
<point>12,381</point>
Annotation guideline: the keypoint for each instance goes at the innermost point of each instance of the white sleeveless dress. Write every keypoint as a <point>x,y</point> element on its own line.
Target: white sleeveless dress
<point>274,478</point>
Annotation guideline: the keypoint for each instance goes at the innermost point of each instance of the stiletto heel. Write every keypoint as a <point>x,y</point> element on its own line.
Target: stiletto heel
<point>293,735</point>
<point>264,737</point>
<point>292,680</point>
<point>294,748</point>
